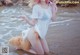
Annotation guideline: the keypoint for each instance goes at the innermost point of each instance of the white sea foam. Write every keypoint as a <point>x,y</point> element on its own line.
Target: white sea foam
<point>60,22</point>
<point>8,33</point>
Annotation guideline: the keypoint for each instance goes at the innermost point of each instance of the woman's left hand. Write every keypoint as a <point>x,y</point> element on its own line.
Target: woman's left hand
<point>23,17</point>
<point>33,21</point>
<point>30,21</point>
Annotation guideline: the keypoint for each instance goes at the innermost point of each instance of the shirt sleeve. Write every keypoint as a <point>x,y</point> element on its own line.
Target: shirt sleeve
<point>34,12</point>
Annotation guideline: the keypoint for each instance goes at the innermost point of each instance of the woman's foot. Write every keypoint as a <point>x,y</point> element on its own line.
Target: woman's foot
<point>17,48</point>
<point>32,52</point>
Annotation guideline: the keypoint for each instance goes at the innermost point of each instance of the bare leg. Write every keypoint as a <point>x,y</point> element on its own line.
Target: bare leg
<point>35,42</point>
<point>45,46</point>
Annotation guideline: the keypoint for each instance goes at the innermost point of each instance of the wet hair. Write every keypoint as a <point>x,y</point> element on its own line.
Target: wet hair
<point>39,1</point>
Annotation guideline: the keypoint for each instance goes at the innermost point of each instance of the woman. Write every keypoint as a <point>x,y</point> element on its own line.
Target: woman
<point>40,19</point>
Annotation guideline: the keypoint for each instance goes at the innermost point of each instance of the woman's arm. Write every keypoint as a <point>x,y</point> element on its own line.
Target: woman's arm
<point>54,11</point>
<point>29,21</point>
<point>33,22</point>
<point>54,16</point>
<point>34,16</point>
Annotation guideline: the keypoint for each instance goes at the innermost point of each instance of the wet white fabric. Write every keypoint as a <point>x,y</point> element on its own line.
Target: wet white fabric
<point>44,17</point>
<point>25,33</point>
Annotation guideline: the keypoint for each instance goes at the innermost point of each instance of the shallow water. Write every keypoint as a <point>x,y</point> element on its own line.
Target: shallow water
<point>10,23</point>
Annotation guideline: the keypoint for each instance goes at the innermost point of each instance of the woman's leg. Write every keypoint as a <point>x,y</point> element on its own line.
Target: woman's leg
<point>35,42</point>
<point>45,46</point>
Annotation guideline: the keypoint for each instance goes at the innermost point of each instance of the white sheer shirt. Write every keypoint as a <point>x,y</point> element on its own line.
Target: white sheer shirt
<point>44,17</point>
